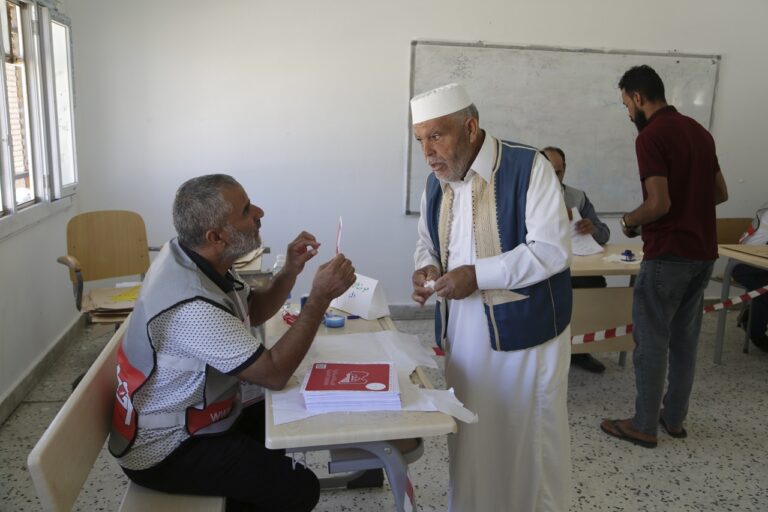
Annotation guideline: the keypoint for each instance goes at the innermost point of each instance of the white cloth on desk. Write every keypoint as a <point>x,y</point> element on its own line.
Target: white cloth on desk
<point>619,258</point>
<point>517,457</point>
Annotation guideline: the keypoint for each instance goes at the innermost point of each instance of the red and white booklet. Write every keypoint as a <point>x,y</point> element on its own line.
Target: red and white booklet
<point>337,386</point>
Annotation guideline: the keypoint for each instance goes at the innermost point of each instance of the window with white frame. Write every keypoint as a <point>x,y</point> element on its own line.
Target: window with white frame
<point>38,163</point>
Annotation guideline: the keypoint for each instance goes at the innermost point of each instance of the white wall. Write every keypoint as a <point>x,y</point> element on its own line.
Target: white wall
<point>306,103</point>
<point>36,303</point>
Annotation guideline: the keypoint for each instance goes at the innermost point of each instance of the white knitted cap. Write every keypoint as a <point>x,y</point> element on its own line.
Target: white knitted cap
<point>439,102</point>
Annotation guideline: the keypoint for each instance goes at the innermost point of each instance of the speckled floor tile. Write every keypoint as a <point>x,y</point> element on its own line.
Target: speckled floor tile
<point>18,436</point>
<point>719,467</point>
<point>57,384</point>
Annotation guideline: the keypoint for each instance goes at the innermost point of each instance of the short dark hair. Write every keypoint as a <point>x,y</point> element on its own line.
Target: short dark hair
<point>644,80</point>
<point>556,150</point>
<point>200,206</point>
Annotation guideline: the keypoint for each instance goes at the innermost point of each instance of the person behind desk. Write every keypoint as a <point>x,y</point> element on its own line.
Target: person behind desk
<point>681,184</point>
<point>589,224</point>
<point>507,359</point>
<point>753,277</point>
<point>179,425</point>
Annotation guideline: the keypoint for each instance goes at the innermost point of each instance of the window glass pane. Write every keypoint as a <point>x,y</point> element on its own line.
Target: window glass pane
<point>60,41</point>
<point>18,108</point>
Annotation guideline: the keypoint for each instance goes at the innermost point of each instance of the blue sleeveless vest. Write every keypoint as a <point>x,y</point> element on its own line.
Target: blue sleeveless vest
<point>547,310</point>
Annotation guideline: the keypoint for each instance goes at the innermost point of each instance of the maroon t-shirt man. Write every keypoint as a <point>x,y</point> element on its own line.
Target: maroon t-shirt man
<point>680,149</point>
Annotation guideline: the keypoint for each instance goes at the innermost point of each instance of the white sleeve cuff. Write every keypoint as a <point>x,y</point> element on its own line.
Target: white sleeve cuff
<point>423,262</point>
<point>490,273</point>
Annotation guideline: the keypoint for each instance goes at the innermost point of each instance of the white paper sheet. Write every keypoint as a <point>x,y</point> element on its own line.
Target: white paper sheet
<point>582,245</point>
<point>404,350</point>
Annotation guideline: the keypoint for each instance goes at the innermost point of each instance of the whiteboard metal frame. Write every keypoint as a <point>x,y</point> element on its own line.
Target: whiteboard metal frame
<point>414,209</point>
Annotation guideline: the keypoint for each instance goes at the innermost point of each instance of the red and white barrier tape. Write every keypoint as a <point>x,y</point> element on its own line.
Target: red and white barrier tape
<point>601,335</point>
<point>627,329</point>
<point>737,300</point>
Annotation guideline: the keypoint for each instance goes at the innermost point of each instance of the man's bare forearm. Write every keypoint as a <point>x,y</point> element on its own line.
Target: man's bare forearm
<point>264,304</point>
<point>275,366</point>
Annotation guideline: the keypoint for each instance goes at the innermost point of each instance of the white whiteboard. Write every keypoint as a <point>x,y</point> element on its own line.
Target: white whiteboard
<point>560,97</point>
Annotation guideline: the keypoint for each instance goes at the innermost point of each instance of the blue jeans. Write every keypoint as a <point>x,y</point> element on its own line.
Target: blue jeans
<point>666,311</point>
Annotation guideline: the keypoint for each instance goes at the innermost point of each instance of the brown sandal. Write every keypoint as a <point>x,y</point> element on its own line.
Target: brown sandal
<point>613,428</point>
<point>677,434</point>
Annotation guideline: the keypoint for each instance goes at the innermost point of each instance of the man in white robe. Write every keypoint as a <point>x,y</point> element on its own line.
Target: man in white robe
<point>517,457</point>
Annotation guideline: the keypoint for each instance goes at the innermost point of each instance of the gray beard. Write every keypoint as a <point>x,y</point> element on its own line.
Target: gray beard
<point>240,244</point>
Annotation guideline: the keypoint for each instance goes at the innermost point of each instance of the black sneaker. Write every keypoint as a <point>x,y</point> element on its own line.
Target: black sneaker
<point>587,362</point>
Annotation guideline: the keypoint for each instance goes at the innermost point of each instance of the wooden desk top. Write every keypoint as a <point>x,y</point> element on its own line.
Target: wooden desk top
<point>595,265</point>
<point>756,255</point>
<point>253,266</point>
<point>340,428</point>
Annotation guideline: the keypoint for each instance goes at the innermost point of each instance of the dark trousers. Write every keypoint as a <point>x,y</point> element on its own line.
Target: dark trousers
<point>236,465</point>
<point>751,278</point>
<point>588,282</point>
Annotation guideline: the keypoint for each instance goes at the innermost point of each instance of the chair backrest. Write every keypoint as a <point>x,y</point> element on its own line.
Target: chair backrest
<point>108,243</point>
<point>62,458</point>
<point>729,230</point>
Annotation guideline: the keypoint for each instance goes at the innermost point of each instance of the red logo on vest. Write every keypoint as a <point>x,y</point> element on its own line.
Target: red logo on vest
<point>129,378</point>
<point>750,231</point>
<point>217,411</point>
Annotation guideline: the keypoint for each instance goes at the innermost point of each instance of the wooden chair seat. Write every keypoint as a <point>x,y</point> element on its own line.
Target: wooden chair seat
<point>63,457</point>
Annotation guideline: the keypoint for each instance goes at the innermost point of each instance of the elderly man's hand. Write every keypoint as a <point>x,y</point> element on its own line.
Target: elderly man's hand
<point>585,227</point>
<point>301,250</point>
<point>333,278</point>
<point>459,283</point>
<point>423,275</point>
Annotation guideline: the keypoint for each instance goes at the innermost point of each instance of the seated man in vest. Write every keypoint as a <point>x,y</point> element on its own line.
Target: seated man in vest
<point>753,277</point>
<point>179,424</point>
<point>589,224</point>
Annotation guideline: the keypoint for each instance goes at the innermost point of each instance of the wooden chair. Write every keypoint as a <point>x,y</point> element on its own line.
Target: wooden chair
<point>62,458</point>
<point>105,245</point>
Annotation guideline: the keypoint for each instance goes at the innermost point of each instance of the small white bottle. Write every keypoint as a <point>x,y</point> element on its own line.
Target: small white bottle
<point>279,264</point>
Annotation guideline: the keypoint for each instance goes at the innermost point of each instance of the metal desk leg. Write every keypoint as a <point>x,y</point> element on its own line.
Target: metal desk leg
<point>396,468</point>
<point>720,333</point>
<point>384,454</point>
<point>747,330</point>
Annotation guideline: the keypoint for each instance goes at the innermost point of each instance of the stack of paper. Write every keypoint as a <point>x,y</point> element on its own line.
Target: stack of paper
<point>331,387</point>
<point>110,304</point>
